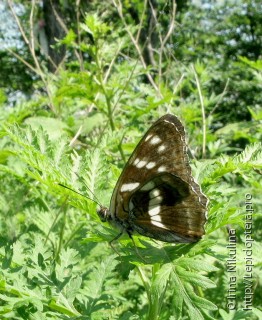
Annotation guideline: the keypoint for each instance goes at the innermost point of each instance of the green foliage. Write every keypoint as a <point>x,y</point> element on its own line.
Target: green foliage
<point>50,272</point>
<point>78,129</point>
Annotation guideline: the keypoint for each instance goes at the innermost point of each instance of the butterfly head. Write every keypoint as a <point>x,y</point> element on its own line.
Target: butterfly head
<point>104,214</point>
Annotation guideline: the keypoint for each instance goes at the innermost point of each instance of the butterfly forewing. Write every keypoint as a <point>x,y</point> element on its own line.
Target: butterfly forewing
<point>156,194</point>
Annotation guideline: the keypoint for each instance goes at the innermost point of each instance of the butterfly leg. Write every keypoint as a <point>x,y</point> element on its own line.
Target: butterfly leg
<point>130,236</point>
<point>137,252</point>
<point>114,239</point>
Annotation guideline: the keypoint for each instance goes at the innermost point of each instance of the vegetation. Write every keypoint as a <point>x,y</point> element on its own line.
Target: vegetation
<point>73,114</point>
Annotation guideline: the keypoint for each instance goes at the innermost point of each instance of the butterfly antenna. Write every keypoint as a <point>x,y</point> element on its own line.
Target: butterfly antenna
<point>94,197</point>
<point>95,201</point>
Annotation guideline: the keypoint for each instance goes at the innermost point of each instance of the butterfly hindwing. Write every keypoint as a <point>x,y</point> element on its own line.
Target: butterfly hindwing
<point>165,209</point>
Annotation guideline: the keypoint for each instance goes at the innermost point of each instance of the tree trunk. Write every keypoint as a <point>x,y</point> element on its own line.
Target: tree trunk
<point>53,18</point>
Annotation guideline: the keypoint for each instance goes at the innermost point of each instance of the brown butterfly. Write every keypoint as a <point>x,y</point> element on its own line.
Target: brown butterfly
<point>156,194</point>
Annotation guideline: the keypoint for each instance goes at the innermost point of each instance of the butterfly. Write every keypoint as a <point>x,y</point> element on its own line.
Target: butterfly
<point>156,194</point>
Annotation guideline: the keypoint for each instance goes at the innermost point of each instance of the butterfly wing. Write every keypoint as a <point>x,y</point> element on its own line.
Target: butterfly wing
<point>156,194</point>
<point>167,209</point>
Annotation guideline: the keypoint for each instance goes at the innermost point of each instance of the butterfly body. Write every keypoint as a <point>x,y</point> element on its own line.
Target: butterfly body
<point>156,194</point>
